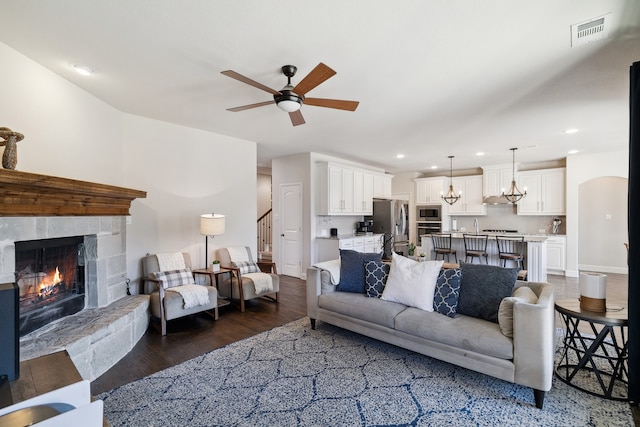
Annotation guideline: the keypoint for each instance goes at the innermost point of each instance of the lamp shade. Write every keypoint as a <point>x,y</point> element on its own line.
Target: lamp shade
<point>211,224</point>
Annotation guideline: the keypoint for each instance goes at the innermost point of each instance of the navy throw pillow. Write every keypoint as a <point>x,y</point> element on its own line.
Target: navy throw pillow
<point>445,299</point>
<point>376,273</point>
<point>482,289</point>
<point>352,270</point>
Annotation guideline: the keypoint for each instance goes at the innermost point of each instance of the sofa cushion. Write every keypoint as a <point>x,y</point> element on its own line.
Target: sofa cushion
<point>482,289</point>
<point>505,312</point>
<point>376,273</point>
<point>445,298</point>
<point>352,269</point>
<point>464,332</point>
<point>359,306</point>
<point>411,282</point>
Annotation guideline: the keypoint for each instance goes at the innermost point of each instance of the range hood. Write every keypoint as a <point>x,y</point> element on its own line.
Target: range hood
<point>495,200</point>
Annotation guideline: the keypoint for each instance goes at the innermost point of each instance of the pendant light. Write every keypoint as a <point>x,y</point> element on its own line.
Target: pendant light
<point>451,197</point>
<point>514,195</point>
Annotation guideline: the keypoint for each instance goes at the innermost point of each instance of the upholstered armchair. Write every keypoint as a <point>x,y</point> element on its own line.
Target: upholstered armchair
<point>169,281</point>
<point>249,279</point>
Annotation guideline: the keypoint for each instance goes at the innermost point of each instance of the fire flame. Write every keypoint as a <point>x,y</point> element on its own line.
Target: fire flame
<point>47,288</point>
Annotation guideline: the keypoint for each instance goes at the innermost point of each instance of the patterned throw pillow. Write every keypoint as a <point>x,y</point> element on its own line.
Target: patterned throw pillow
<point>445,299</point>
<point>246,267</point>
<point>376,273</point>
<point>173,278</point>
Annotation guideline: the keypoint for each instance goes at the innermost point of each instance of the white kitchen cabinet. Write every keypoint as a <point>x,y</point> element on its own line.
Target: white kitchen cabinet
<point>328,249</point>
<point>429,190</point>
<point>471,201</point>
<point>362,192</point>
<point>496,178</point>
<point>556,254</point>
<point>382,185</point>
<point>545,192</point>
<point>343,190</point>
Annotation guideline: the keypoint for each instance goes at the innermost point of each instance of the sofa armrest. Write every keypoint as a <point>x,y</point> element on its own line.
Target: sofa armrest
<point>313,291</point>
<point>534,339</point>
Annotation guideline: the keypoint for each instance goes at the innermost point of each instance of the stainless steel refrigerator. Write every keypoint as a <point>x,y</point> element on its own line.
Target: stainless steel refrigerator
<point>391,218</point>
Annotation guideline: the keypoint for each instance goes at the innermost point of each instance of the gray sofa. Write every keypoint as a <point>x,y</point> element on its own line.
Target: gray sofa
<point>526,359</point>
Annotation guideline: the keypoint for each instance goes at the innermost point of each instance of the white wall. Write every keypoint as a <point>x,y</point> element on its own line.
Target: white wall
<point>64,127</point>
<point>185,172</point>
<point>264,194</point>
<point>603,207</point>
<point>580,169</point>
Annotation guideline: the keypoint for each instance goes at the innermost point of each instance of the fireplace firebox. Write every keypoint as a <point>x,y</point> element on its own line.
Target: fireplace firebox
<point>50,277</point>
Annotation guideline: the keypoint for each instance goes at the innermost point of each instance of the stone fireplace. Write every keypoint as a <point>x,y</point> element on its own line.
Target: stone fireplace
<point>50,278</point>
<point>37,207</point>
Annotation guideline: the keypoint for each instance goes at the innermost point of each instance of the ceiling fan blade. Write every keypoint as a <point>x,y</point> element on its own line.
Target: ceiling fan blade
<point>247,107</point>
<point>314,78</point>
<point>248,81</point>
<point>296,118</point>
<point>332,103</point>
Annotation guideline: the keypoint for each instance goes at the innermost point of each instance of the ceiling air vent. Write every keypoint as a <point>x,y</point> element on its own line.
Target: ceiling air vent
<point>591,30</point>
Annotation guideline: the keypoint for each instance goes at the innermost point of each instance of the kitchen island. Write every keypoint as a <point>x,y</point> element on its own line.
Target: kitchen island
<point>535,256</point>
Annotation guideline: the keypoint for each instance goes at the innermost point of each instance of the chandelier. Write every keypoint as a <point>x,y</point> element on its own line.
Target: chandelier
<point>514,195</point>
<point>451,197</point>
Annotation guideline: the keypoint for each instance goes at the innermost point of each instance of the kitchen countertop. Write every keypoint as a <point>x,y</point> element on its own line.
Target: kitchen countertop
<point>348,236</point>
<point>492,236</point>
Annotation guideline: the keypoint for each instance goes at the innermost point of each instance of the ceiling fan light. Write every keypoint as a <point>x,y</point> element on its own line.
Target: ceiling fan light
<point>288,105</point>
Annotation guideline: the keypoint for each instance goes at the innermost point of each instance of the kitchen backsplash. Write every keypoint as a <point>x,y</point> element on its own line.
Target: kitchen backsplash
<point>505,218</point>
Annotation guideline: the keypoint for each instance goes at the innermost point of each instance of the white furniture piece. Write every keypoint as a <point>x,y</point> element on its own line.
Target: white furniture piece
<point>527,358</point>
<point>535,258</point>
<point>346,190</point>
<point>495,178</point>
<point>556,254</point>
<point>429,190</point>
<point>546,189</point>
<point>329,248</point>
<point>471,201</point>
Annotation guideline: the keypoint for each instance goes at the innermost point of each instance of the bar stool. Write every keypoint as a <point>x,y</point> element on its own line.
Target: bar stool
<point>442,245</point>
<point>511,248</point>
<point>475,246</point>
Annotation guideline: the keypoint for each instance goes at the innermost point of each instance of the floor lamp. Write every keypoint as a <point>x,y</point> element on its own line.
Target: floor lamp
<point>210,225</point>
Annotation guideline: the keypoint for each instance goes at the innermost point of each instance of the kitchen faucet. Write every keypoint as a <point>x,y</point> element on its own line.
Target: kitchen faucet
<point>475,224</point>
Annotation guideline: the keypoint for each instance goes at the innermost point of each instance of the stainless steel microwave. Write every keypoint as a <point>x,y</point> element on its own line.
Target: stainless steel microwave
<point>429,213</point>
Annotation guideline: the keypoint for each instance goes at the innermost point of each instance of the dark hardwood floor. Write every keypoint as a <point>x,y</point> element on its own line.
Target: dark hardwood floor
<point>192,336</point>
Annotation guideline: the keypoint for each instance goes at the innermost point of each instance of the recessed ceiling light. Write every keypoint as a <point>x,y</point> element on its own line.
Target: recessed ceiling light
<point>83,70</point>
<point>400,156</point>
<point>570,131</point>
<point>480,153</point>
<point>434,167</point>
<point>572,151</point>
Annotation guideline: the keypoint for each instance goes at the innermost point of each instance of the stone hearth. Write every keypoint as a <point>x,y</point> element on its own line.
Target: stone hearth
<point>44,207</point>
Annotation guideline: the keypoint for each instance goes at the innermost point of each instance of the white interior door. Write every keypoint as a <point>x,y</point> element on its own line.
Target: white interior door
<point>291,229</point>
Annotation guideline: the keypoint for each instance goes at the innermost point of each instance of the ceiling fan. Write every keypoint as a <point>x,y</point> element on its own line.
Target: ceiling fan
<point>290,98</point>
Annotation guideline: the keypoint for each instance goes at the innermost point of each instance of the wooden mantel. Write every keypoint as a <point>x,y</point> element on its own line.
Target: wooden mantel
<point>29,194</point>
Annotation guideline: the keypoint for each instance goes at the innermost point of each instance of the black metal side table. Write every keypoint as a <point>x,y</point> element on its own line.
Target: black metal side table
<point>596,362</point>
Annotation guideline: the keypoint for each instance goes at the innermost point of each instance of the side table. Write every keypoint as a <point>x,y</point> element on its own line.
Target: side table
<point>213,277</point>
<point>596,364</point>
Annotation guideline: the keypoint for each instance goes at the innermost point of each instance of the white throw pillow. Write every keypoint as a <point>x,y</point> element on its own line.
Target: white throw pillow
<point>412,283</point>
<point>505,312</point>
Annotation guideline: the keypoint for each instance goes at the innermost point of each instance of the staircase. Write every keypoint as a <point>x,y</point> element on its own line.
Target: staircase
<point>265,236</point>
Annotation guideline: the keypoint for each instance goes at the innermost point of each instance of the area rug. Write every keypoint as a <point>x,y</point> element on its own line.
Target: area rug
<point>295,376</point>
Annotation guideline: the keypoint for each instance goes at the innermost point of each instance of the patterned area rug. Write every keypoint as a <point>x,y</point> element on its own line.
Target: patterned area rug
<point>295,376</point>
